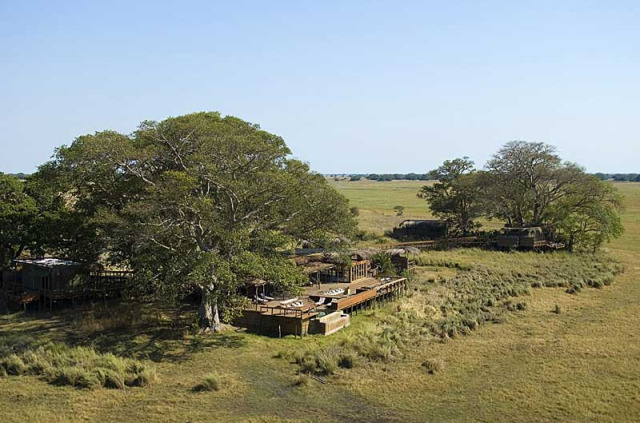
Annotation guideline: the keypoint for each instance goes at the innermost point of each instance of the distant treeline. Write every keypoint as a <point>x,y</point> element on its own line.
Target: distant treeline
<point>619,177</point>
<point>390,177</point>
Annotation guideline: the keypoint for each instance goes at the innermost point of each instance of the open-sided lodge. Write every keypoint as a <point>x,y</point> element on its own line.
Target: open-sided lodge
<point>334,291</point>
<point>48,281</point>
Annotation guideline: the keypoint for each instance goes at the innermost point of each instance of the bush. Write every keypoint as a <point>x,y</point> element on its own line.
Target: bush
<point>384,264</point>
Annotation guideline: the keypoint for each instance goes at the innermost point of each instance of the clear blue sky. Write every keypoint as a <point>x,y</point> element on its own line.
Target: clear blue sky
<point>352,86</point>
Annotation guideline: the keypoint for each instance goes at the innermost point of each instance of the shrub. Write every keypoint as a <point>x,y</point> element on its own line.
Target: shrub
<point>382,261</point>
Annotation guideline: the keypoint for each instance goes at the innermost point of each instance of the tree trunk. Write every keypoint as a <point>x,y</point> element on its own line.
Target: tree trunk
<point>209,318</point>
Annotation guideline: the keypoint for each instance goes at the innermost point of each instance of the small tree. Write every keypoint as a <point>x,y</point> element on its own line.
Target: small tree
<point>399,210</point>
<point>384,264</point>
<point>455,197</point>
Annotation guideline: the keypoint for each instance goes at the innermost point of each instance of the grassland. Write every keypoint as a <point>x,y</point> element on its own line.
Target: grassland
<point>537,365</point>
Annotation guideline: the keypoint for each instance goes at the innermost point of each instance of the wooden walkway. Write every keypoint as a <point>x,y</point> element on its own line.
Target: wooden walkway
<point>470,241</point>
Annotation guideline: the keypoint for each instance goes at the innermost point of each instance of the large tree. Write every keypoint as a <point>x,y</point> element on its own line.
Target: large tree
<point>524,180</point>
<point>201,202</point>
<point>455,196</point>
<point>527,184</point>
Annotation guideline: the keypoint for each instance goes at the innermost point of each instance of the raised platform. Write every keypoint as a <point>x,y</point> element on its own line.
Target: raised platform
<point>308,313</point>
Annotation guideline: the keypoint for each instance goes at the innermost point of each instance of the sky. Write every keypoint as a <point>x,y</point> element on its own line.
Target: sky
<point>352,86</point>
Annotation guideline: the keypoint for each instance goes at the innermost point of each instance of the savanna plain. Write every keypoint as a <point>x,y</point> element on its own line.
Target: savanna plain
<point>482,336</point>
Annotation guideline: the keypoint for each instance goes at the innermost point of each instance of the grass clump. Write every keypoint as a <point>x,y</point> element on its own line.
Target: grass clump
<point>318,362</point>
<point>433,365</point>
<point>79,366</point>
<point>211,382</point>
<point>14,365</point>
<point>301,380</point>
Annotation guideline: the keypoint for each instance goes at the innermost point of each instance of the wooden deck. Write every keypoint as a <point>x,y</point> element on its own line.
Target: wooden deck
<point>275,318</point>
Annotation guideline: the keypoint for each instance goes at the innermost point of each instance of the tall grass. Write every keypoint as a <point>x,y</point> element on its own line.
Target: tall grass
<point>485,286</point>
<point>78,366</point>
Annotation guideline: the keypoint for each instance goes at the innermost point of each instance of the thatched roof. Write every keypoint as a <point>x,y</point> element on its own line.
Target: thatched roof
<point>316,266</point>
<point>402,250</point>
<point>255,282</point>
<point>361,254</point>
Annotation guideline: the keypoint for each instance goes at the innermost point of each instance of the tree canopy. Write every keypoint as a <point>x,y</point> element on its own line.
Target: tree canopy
<point>455,197</point>
<point>200,202</point>
<point>18,211</point>
<point>528,184</point>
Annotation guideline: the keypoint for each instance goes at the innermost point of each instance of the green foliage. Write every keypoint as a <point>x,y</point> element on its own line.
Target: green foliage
<point>455,197</point>
<point>18,211</point>
<point>527,184</point>
<point>382,261</point>
<point>399,210</point>
<point>589,215</point>
<point>199,203</point>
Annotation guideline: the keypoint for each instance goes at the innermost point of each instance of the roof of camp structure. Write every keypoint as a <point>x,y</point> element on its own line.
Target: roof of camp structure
<point>255,282</point>
<point>316,266</point>
<point>47,262</point>
<point>412,222</point>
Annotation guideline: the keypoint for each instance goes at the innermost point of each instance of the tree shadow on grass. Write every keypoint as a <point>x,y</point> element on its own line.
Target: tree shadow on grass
<point>168,338</point>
